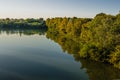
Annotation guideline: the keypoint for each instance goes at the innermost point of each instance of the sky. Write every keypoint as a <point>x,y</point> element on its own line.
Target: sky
<point>57,8</point>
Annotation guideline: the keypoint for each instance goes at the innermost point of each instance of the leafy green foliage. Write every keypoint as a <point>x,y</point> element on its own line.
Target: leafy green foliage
<point>98,38</point>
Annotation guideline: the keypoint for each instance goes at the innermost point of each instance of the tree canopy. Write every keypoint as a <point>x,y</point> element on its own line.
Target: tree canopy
<point>95,38</point>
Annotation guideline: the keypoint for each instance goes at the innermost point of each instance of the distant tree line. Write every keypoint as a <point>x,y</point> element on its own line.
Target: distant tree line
<point>29,23</point>
<point>95,38</point>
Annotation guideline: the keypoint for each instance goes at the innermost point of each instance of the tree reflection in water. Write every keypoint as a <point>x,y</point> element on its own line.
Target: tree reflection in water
<point>23,31</point>
<point>95,70</point>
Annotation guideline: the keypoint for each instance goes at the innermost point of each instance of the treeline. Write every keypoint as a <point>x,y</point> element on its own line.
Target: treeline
<point>71,26</point>
<point>98,38</point>
<point>29,23</point>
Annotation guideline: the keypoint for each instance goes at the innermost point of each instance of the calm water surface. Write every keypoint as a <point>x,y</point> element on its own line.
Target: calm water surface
<point>28,55</point>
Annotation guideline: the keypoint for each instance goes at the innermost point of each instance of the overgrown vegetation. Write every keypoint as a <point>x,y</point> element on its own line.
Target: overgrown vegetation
<point>96,39</point>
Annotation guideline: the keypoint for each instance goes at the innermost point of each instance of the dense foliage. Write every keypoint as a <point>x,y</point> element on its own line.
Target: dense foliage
<point>29,23</point>
<point>96,39</point>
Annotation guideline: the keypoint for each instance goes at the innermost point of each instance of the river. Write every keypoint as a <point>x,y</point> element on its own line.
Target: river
<point>30,55</point>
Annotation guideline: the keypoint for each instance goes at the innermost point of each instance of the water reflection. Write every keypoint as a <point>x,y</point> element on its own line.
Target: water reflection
<point>35,57</point>
<point>23,31</point>
<point>95,70</point>
<point>29,55</point>
<point>100,71</point>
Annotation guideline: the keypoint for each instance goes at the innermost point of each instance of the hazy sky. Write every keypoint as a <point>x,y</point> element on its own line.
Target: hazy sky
<point>53,8</point>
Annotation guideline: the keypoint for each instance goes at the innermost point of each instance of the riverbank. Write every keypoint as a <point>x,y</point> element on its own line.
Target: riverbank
<point>98,38</point>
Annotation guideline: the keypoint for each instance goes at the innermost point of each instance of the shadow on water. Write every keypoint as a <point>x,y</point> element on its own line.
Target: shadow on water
<point>100,71</point>
<point>95,70</point>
